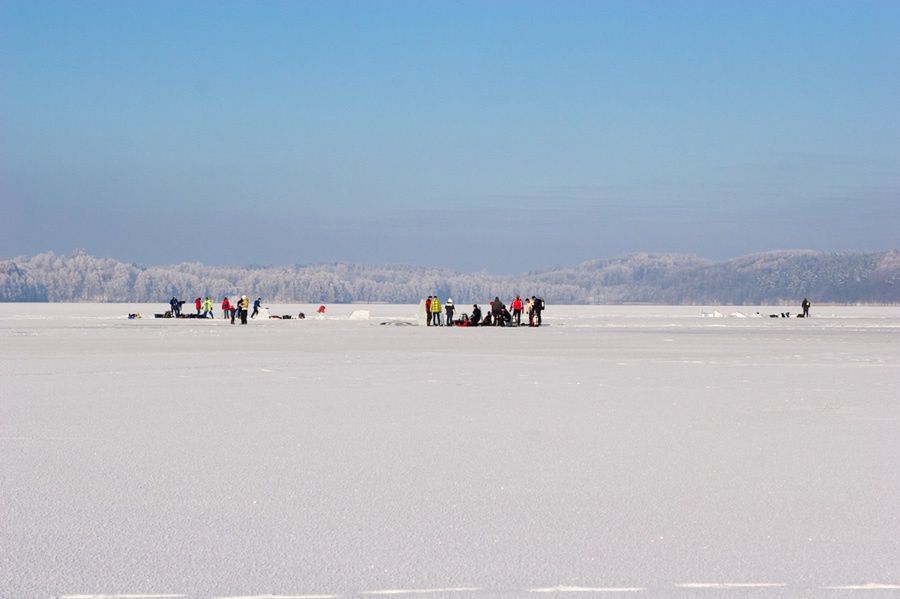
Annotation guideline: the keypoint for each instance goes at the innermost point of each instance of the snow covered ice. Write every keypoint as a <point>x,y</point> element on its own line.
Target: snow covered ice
<point>647,451</point>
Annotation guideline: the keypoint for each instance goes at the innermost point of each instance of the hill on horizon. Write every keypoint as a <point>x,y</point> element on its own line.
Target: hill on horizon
<point>773,277</point>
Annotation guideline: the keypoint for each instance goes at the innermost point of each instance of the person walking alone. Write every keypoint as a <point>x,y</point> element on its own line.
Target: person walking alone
<point>256,305</point>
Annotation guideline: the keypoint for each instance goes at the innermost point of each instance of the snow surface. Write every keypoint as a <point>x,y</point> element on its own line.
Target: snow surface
<point>641,450</point>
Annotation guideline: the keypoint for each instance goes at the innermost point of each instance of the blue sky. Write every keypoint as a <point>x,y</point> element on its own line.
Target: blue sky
<point>505,136</point>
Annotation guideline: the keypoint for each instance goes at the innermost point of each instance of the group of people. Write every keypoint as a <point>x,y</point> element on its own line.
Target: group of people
<point>805,305</point>
<point>499,314</point>
<point>204,306</point>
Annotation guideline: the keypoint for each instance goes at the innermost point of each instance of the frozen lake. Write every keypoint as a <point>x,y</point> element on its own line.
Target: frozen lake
<point>637,450</point>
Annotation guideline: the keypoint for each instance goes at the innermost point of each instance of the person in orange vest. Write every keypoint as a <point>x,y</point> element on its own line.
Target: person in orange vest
<point>517,310</point>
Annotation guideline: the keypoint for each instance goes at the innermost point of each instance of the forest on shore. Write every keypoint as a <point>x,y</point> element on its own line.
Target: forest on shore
<point>766,278</point>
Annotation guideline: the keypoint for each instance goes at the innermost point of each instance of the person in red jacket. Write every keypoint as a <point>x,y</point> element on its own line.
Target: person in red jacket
<point>198,303</point>
<point>517,310</point>
<point>226,307</point>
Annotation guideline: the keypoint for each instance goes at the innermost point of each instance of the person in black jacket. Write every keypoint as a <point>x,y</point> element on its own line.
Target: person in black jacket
<point>537,304</point>
<point>449,308</point>
<point>176,304</point>
<point>497,308</point>
<point>475,318</point>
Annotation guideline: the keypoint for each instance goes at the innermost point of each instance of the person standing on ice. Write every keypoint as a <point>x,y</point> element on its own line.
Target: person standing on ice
<point>243,306</point>
<point>537,304</point>
<point>198,303</point>
<point>173,304</point>
<point>428,312</point>
<point>256,306</point>
<point>497,311</point>
<point>805,305</point>
<point>449,309</point>
<point>435,311</point>
<point>516,306</point>
<point>226,307</point>
<point>208,308</point>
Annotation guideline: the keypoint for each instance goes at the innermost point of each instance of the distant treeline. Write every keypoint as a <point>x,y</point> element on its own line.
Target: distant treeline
<point>767,278</point>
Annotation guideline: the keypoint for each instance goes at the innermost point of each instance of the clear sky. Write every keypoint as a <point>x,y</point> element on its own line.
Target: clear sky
<point>505,136</point>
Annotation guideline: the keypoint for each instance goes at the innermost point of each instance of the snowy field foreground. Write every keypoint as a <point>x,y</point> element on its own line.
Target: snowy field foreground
<point>636,451</point>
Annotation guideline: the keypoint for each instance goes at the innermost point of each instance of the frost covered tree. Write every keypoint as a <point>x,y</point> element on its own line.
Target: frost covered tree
<point>16,285</point>
<point>766,278</point>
